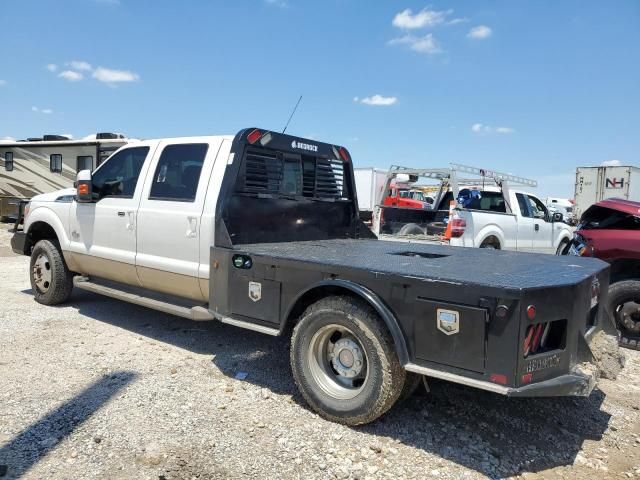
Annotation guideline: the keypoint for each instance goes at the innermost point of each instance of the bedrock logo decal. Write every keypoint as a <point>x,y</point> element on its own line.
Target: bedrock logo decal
<point>304,146</point>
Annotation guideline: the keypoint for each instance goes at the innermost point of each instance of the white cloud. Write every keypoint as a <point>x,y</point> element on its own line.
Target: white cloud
<point>377,100</point>
<point>488,129</point>
<point>71,76</point>
<point>3,83</point>
<point>456,21</point>
<point>480,32</point>
<point>407,20</point>
<point>52,67</point>
<point>80,65</point>
<point>46,111</point>
<point>611,163</point>
<point>426,44</point>
<point>8,139</point>
<point>107,75</point>
<point>277,3</point>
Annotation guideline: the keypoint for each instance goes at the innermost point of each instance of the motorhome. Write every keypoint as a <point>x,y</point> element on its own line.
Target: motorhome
<point>48,163</point>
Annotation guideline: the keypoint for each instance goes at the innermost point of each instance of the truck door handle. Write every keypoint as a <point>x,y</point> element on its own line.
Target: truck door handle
<point>193,225</point>
<point>131,224</point>
<point>537,227</point>
<point>121,214</point>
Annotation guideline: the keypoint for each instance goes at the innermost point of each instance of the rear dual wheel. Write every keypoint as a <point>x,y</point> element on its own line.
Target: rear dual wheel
<point>344,363</point>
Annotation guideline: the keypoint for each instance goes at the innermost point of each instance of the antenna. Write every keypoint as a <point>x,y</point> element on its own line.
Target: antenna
<point>291,116</point>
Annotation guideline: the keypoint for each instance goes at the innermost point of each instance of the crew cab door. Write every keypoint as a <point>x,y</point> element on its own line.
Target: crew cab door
<point>169,217</point>
<point>103,234</point>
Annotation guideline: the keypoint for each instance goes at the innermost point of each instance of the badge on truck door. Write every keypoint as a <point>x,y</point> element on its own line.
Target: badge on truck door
<point>448,321</point>
<point>255,291</point>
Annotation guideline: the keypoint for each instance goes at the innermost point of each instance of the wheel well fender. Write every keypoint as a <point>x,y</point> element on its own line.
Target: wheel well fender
<point>492,234</point>
<point>328,288</point>
<point>44,223</point>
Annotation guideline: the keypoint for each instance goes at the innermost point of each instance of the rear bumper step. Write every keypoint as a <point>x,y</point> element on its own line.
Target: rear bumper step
<point>571,384</point>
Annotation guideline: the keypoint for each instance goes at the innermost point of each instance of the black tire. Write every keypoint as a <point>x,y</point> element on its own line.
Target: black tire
<point>411,229</point>
<point>620,293</point>
<point>384,378</point>
<point>563,248</point>
<point>411,384</point>
<point>51,280</point>
<point>490,246</point>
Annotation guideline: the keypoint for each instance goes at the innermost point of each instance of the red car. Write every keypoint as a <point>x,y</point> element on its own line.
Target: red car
<point>610,230</point>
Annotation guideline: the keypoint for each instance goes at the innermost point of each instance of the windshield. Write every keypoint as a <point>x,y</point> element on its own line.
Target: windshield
<point>606,218</point>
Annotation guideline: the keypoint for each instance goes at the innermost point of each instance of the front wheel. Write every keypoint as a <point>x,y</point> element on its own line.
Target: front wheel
<point>51,280</point>
<point>563,248</point>
<point>344,363</point>
<point>624,305</point>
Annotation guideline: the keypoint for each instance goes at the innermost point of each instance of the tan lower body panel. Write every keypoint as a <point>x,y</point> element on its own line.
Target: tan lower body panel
<point>171,283</point>
<point>102,268</point>
<point>157,280</point>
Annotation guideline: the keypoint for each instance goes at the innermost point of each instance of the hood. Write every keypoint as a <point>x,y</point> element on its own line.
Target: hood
<point>58,195</point>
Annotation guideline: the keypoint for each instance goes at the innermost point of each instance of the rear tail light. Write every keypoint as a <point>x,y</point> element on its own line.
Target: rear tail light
<point>458,226</point>
<point>254,136</point>
<point>344,154</point>
<point>498,378</point>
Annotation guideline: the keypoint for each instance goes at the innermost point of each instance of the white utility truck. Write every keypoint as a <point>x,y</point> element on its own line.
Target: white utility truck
<point>262,231</point>
<point>594,184</point>
<point>480,210</point>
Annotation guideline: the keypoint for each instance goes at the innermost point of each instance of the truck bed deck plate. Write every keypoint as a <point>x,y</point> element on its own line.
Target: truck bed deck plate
<point>456,265</point>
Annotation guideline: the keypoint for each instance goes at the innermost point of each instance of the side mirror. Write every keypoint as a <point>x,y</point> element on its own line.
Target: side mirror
<point>557,217</point>
<point>84,187</point>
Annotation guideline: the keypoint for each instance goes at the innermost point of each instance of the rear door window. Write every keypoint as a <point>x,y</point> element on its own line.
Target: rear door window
<point>178,172</point>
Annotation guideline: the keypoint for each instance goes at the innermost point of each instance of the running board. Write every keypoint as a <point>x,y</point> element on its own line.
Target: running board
<point>197,313</point>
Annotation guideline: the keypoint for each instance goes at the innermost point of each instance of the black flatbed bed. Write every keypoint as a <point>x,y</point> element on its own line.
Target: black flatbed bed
<point>505,270</point>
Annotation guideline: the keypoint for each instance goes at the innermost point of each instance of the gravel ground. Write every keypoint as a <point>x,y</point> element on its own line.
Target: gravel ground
<point>101,389</point>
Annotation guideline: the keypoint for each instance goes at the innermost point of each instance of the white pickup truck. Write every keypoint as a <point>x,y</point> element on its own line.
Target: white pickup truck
<point>262,231</point>
<point>494,216</point>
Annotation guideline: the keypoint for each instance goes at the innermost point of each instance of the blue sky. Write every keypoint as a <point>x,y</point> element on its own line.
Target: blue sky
<point>529,87</point>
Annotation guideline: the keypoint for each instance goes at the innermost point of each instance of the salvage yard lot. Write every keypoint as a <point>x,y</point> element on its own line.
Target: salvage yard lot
<point>98,388</point>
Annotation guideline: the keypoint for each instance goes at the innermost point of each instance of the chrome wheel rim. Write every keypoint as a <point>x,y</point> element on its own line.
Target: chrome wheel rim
<point>41,273</point>
<point>337,361</point>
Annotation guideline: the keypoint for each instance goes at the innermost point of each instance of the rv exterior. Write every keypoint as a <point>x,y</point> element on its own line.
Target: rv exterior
<point>42,165</point>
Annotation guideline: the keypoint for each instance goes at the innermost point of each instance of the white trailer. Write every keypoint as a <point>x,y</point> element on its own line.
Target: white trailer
<point>598,183</point>
<point>48,163</point>
<point>369,184</point>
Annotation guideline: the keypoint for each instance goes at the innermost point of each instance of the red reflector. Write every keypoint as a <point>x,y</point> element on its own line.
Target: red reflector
<point>531,312</point>
<point>526,378</point>
<point>344,154</point>
<point>254,136</point>
<point>536,338</point>
<point>527,340</point>
<point>497,378</point>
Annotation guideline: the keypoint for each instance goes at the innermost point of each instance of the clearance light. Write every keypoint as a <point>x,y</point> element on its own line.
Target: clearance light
<point>254,136</point>
<point>498,378</point>
<point>266,138</point>
<point>531,312</point>
<point>526,378</point>
<point>344,154</point>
